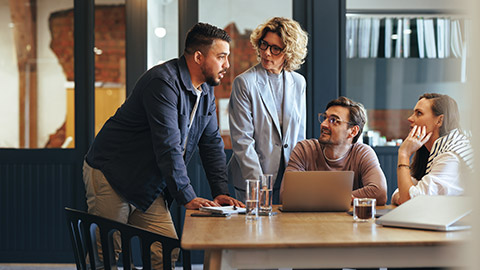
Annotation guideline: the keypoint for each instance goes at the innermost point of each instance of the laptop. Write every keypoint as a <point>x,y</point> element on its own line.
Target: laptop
<point>317,191</point>
<point>438,213</point>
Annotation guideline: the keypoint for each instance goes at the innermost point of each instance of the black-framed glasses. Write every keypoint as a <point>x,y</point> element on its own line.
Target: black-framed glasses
<point>274,49</point>
<point>332,119</point>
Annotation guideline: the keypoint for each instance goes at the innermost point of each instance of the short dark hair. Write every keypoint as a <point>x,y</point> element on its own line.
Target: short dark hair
<point>201,36</point>
<point>358,116</point>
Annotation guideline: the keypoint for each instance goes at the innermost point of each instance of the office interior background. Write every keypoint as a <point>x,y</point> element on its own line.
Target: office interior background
<point>67,65</point>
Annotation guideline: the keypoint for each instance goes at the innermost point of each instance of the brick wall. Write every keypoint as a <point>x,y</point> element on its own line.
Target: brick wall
<point>242,57</point>
<point>392,124</point>
<point>109,39</point>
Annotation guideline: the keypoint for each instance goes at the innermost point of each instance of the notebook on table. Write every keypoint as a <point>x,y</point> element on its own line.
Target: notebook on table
<point>321,191</point>
<point>439,213</point>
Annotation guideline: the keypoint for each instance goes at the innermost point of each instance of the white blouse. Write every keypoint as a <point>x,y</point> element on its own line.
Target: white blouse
<point>445,178</point>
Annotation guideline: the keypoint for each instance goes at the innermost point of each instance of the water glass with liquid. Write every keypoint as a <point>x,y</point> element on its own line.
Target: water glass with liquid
<point>251,199</point>
<point>266,192</point>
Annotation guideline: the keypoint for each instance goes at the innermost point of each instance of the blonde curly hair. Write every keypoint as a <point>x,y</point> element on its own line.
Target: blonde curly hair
<point>292,35</point>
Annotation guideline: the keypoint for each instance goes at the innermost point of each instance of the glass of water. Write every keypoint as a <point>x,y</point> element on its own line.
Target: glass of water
<point>266,192</point>
<point>251,199</point>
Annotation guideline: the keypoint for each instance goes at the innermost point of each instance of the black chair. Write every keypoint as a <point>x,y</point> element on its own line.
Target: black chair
<point>84,243</point>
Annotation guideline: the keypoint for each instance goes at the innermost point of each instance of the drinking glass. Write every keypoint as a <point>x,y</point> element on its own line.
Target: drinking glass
<point>251,199</point>
<point>266,192</point>
<point>364,209</point>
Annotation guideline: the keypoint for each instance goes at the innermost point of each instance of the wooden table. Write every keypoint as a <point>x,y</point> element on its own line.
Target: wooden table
<point>316,240</point>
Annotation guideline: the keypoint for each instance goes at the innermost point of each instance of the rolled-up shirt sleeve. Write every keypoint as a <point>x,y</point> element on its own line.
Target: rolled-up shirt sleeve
<point>443,179</point>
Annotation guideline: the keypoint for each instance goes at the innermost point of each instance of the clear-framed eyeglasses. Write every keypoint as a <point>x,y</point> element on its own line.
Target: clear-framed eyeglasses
<point>332,119</point>
<point>274,49</point>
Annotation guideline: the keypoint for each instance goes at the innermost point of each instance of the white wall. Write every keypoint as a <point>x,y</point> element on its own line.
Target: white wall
<point>52,94</point>
<point>9,114</point>
<point>52,99</point>
<point>162,13</point>
<point>247,14</point>
<point>50,78</point>
<point>407,4</point>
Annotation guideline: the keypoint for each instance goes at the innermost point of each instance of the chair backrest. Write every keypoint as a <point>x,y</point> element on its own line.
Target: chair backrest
<point>83,241</point>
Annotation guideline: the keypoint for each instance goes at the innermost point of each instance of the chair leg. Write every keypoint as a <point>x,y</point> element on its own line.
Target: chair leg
<point>187,265</point>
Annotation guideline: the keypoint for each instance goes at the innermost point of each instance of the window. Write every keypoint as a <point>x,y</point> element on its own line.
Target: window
<point>238,18</point>
<point>393,57</point>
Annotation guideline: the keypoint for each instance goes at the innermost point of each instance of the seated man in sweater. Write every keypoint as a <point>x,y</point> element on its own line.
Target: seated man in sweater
<point>337,149</point>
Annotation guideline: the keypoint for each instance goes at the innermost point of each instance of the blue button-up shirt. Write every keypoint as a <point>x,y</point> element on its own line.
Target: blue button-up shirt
<point>140,149</point>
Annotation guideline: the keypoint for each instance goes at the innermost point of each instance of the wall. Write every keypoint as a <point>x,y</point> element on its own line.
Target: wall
<point>246,14</point>
<point>406,4</point>
<point>9,114</point>
<point>52,94</point>
<point>52,82</point>
<point>164,14</point>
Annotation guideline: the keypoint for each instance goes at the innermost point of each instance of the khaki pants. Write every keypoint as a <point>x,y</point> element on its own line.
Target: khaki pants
<point>103,201</point>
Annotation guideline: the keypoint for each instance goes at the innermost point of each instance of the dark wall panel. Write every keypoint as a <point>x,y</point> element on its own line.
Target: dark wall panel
<point>388,157</point>
<point>324,67</point>
<point>32,225</point>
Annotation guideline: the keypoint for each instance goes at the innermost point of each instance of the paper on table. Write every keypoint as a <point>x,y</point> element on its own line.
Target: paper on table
<point>222,209</point>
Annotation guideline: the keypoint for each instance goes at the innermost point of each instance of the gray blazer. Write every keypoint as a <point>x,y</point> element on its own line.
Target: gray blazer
<point>254,126</point>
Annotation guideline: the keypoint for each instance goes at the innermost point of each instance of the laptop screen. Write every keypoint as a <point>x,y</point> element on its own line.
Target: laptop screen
<point>325,191</point>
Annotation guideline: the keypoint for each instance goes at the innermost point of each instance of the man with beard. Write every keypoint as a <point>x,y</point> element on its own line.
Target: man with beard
<point>137,163</point>
<point>337,149</point>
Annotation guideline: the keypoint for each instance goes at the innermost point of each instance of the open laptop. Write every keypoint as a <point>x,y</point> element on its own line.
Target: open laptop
<point>323,191</point>
<point>439,213</point>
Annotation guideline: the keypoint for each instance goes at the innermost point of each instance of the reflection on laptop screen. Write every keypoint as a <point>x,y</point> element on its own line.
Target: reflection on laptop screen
<point>325,191</point>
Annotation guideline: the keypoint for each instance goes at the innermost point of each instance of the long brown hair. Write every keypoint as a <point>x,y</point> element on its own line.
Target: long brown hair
<point>441,105</point>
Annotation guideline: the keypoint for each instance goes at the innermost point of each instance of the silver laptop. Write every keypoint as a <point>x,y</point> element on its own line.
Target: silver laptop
<point>439,213</point>
<point>323,191</point>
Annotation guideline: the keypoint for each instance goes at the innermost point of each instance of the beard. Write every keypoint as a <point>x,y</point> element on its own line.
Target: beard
<point>324,141</point>
<point>327,140</point>
<point>212,82</point>
<point>210,78</point>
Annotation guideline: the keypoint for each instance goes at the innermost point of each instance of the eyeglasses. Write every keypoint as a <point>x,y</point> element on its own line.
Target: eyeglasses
<point>274,49</point>
<point>331,119</point>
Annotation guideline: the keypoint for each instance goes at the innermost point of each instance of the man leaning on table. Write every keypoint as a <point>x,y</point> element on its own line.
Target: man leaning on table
<point>337,149</point>
<point>138,162</point>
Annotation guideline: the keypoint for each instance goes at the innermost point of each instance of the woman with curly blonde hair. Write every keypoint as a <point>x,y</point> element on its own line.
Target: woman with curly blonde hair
<point>267,105</point>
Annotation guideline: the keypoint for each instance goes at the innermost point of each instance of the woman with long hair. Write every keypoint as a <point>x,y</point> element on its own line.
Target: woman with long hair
<point>442,152</point>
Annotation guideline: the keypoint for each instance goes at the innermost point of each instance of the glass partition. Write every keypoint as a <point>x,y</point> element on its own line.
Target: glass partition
<point>37,70</point>
<point>33,104</point>
<point>238,18</point>
<point>162,31</point>
<point>394,58</point>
